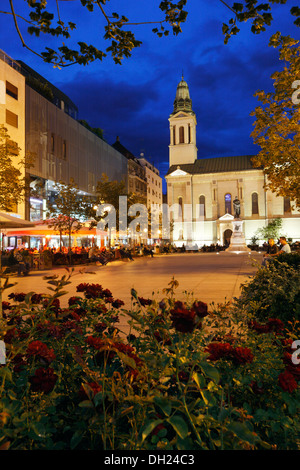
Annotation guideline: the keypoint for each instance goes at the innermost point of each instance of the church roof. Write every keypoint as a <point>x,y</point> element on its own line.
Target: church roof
<point>216,165</point>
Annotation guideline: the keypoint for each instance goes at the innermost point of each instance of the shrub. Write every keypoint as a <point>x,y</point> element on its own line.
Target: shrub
<point>292,259</point>
<point>274,291</point>
<point>184,377</point>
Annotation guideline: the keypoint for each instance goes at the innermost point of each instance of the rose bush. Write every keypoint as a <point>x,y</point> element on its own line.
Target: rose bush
<point>184,376</point>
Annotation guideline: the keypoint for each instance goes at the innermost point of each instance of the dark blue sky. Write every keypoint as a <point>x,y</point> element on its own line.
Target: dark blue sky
<point>134,100</point>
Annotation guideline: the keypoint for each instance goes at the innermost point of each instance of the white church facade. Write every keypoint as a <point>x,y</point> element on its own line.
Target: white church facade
<point>202,190</point>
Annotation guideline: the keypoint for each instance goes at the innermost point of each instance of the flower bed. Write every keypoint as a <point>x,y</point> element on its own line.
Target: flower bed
<point>185,377</point>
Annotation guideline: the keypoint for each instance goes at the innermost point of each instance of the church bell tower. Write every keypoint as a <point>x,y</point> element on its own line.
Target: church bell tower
<point>182,148</point>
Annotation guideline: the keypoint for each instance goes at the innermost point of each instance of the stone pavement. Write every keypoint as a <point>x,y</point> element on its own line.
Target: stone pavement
<point>211,277</point>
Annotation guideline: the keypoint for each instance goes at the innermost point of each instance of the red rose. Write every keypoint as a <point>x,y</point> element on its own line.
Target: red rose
<point>219,351</point>
<point>74,300</point>
<point>200,309</point>
<point>253,325</point>
<point>117,303</point>
<point>5,305</point>
<point>19,297</point>
<point>275,324</point>
<point>43,380</point>
<point>144,302</point>
<point>95,342</point>
<point>292,368</point>
<point>242,355</point>
<point>183,319</point>
<point>36,298</point>
<point>41,350</point>
<point>100,327</point>
<point>95,388</point>
<point>10,335</point>
<point>287,381</point>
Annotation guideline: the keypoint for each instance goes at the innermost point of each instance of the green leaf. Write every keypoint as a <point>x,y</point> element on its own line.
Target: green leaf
<point>179,425</point>
<point>39,429</point>
<point>199,379</point>
<point>149,427</point>
<point>164,405</point>
<point>243,433</point>
<point>76,439</point>
<point>6,373</point>
<point>210,371</point>
<point>86,404</point>
<point>209,398</point>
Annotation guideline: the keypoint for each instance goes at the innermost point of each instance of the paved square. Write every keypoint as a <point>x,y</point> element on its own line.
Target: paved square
<point>211,277</point>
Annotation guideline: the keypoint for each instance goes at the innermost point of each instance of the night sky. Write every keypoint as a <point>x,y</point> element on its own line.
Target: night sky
<point>134,100</point>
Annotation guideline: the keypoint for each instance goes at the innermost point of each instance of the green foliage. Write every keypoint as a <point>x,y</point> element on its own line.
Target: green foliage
<point>12,184</point>
<point>96,130</point>
<point>68,210</point>
<point>42,88</point>
<point>184,378</point>
<point>118,30</point>
<point>276,128</point>
<point>292,259</point>
<point>108,193</point>
<point>274,292</point>
<point>259,15</point>
<point>272,230</point>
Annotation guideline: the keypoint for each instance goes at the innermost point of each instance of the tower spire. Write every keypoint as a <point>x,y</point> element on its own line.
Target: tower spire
<point>182,148</point>
<point>183,101</point>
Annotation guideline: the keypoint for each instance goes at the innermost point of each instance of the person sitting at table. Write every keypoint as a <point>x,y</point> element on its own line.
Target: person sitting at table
<point>22,265</point>
<point>94,255</point>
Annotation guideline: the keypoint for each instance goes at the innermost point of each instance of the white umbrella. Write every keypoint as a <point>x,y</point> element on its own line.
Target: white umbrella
<point>9,221</point>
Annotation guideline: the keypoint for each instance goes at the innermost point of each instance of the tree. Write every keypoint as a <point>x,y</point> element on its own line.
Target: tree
<point>272,230</point>
<point>277,129</point>
<point>41,21</point>
<point>60,223</point>
<point>259,14</point>
<point>68,210</point>
<point>108,192</point>
<point>117,28</point>
<point>12,183</point>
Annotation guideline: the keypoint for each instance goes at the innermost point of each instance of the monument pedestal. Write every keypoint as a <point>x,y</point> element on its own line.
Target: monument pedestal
<point>237,241</point>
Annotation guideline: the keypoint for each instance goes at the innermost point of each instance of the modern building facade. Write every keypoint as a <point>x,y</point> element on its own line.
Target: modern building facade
<point>202,190</point>
<point>42,120</point>
<point>64,149</point>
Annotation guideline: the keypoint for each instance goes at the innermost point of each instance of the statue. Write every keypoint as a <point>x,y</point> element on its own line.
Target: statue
<point>236,207</point>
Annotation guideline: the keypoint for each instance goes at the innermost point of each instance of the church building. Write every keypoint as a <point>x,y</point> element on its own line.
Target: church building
<point>202,191</point>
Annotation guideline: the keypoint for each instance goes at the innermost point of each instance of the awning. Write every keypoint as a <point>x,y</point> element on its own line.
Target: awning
<point>43,230</point>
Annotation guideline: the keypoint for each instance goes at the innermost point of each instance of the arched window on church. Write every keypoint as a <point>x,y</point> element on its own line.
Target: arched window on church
<point>228,209</point>
<point>254,202</point>
<point>174,135</point>
<point>202,206</point>
<point>181,135</point>
<point>286,205</point>
<point>180,208</point>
